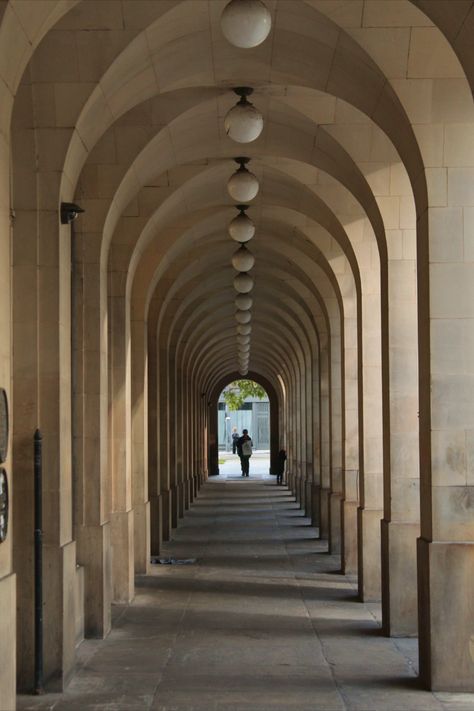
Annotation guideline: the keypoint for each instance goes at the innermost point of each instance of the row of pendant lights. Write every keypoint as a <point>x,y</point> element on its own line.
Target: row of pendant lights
<point>245,24</point>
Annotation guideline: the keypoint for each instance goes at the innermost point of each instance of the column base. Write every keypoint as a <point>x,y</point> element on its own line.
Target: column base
<point>349,537</point>
<point>166,514</point>
<point>316,505</point>
<point>187,495</point>
<point>141,537</point>
<point>299,490</point>
<point>446,615</point>
<point>308,500</point>
<point>123,579</point>
<point>156,524</point>
<point>8,641</point>
<point>180,492</point>
<point>59,615</point>
<point>324,526</point>
<point>399,594</point>
<point>290,482</point>
<point>94,552</point>
<point>335,503</point>
<point>368,549</point>
<point>174,506</point>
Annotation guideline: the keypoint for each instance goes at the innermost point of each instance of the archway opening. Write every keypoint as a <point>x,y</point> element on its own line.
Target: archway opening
<point>243,406</point>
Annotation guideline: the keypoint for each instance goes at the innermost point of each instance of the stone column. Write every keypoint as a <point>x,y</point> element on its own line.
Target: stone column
<point>371,481</point>
<point>446,545</point>
<point>335,497</point>
<point>41,398</point>
<point>90,427</point>
<point>139,404</point>
<point>351,450</point>
<point>154,489</point>
<point>7,578</point>
<point>325,389</point>
<point>400,526</point>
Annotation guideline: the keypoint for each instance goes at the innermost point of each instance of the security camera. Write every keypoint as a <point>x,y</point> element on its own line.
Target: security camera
<point>69,212</point>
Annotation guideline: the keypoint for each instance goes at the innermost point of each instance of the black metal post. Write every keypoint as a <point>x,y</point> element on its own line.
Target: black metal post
<point>38,476</point>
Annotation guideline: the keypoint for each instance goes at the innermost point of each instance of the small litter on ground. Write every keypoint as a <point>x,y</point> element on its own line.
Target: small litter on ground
<point>172,561</point>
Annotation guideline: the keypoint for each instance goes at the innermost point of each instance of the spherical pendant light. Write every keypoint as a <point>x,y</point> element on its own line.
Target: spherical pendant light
<point>241,228</point>
<point>243,371</point>
<point>243,260</point>
<point>243,283</point>
<point>242,185</point>
<point>243,302</point>
<point>243,316</point>
<point>243,340</point>
<point>244,351</point>
<point>246,23</point>
<point>244,329</point>
<point>243,123</point>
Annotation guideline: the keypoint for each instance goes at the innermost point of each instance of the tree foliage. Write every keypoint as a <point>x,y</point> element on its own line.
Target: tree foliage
<point>235,393</point>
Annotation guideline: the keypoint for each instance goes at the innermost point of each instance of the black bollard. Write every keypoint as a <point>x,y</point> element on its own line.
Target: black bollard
<point>38,477</point>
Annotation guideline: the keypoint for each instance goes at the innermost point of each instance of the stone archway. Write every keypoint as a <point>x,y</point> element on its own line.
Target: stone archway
<point>271,390</point>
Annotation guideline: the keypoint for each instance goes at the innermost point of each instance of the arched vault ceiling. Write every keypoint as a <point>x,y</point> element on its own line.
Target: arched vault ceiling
<point>307,50</point>
<point>288,135</point>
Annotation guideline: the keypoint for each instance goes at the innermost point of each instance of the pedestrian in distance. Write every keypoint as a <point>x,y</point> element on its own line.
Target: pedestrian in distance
<point>244,450</point>
<point>280,466</point>
<point>235,437</point>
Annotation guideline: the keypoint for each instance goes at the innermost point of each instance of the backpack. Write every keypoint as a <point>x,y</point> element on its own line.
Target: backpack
<point>247,448</point>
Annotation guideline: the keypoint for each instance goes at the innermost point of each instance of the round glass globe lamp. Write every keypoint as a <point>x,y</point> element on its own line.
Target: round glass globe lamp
<point>243,122</point>
<point>243,283</point>
<point>242,186</point>
<point>245,329</point>
<point>243,302</point>
<point>243,260</point>
<point>241,228</point>
<point>243,316</point>
<point>246,23</point>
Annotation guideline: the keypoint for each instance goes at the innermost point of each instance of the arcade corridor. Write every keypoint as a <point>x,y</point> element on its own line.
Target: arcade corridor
<point>194,192</point>
<point>264,620</point>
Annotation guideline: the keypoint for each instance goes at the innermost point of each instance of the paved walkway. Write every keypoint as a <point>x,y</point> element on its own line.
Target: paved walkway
<point>263,621</point>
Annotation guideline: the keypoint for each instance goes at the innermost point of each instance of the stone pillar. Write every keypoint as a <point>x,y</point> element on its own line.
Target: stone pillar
<point>349,522</point>
<point>166,514</point>
<point>325,445</point>
<point>335,493</point>
<point>335,500</point>
<point>154,485</point>
<point>122,520</point>
<point>350,478</point>
<point>156,524</point>
<point>8,605</point>
<point>400,526</point>
<point>139,457</point>
<point>90,428</point>
<point>446,544</point>
<point>370,511</point>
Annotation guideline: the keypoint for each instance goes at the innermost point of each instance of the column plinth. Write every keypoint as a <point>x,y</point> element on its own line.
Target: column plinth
<point>368,545</point>
<point>399,597</point>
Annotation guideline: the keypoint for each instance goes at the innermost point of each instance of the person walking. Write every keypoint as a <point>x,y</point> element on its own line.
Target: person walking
<point>235,437</point>
<point>280,466</point>
<point>244,450</point>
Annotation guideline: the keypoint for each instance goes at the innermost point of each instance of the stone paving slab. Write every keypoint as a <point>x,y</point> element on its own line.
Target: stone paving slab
<point>264,621</point>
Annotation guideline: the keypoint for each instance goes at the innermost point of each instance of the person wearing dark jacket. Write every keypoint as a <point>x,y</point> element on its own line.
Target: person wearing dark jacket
<point>244,450</point>
<point>280,466</point>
